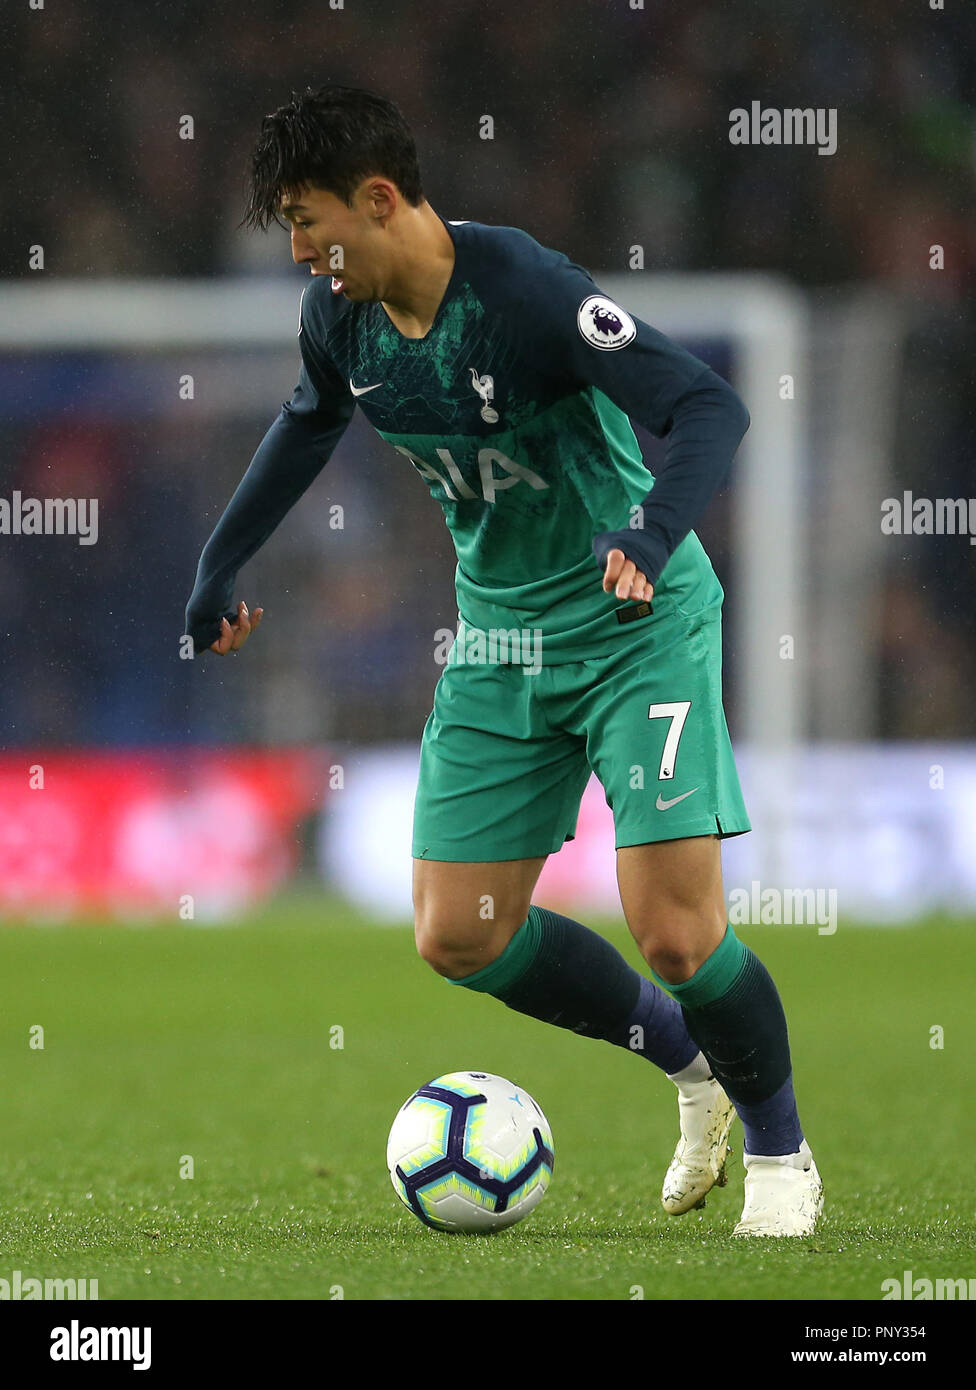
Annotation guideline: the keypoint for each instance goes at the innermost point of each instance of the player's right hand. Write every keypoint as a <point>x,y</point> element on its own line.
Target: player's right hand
<point>234,635</point>
<point>630,582</point>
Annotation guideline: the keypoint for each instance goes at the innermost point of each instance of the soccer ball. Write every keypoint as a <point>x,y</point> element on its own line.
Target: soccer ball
<point>470,1152</point>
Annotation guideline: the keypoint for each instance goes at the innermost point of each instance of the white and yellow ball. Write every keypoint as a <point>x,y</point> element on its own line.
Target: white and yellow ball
<point>470,1152</point>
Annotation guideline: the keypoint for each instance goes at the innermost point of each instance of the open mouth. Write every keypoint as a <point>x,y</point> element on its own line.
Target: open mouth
<point>337,285</point>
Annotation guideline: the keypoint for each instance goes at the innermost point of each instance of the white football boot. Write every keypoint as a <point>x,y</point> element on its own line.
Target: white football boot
<point>784,1195</point>
<point>705,1115</point>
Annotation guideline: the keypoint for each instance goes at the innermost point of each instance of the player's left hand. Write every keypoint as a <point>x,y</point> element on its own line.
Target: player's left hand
<point>234,635</point>
<point>631,583</point>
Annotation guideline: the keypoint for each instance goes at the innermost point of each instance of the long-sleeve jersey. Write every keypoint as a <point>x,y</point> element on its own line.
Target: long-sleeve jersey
<point>513,409</point>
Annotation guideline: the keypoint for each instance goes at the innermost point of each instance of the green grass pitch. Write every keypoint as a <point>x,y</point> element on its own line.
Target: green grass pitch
<point>162,1043</point>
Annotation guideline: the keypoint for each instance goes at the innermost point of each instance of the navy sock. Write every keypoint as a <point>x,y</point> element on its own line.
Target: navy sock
<point>733,1011</point>
<point>656,1028</point>
<point>772,1126</point>
<point>559,971</point>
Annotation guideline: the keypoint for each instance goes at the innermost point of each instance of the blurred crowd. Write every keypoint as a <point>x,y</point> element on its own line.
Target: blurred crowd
<point>611,128</point>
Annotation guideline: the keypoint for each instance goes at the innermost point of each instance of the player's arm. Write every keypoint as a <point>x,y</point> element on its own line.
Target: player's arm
<point>292,454</point>
<point>704,428</point>
<point>666,389</point>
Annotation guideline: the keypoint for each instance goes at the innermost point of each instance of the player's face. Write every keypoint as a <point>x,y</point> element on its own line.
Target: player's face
<point>322,226</point>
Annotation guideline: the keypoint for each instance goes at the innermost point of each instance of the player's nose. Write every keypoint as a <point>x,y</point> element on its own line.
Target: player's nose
<point>302,249</point>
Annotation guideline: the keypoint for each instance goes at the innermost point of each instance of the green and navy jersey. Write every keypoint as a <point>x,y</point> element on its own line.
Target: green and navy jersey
<point>513,410</point>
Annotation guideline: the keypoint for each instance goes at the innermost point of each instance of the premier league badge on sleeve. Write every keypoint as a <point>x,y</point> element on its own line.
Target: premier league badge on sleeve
<point>604,324</point>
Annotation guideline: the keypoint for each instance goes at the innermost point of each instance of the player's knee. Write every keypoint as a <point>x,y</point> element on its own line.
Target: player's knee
<point>455,949</point>
<point>681,946</point>
<point>673,962</point>
<point>443,955</point>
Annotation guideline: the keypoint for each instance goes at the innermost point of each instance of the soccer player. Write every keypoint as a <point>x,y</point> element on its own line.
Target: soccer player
<point>590,619</point>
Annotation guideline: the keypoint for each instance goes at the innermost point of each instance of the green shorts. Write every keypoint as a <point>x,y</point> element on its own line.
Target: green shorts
<point>506,754</point>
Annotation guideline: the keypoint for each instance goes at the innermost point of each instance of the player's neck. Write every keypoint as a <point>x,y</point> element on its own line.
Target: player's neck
<point>424,265</point>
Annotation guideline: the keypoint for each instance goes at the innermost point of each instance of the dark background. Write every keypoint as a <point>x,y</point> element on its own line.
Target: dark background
<point>611,127</point>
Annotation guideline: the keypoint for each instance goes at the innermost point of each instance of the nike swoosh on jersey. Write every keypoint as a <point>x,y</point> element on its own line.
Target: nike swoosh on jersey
<point>361,390</point>
<point>663,805</point>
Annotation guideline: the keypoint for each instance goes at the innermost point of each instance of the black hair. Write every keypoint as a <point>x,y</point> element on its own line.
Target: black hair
<point>331,138</point>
